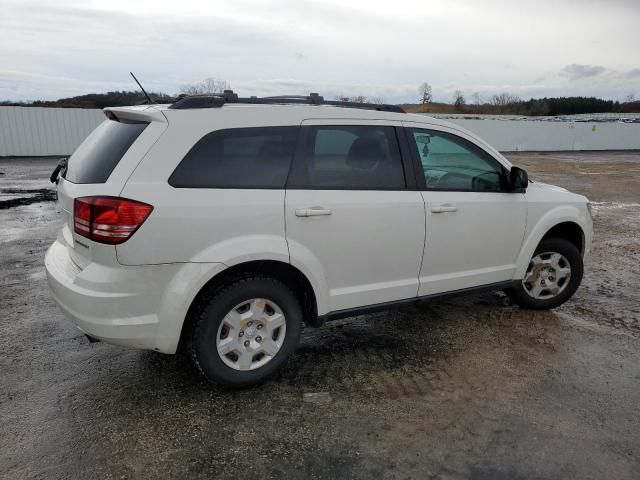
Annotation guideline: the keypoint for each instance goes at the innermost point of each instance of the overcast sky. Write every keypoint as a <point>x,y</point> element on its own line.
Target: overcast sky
<point>52,49</point>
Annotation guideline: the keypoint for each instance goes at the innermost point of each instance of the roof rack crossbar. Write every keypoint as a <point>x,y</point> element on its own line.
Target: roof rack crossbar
<point>216,100</point>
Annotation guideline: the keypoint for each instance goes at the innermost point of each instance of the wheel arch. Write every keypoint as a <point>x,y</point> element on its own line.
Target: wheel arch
<point>569,231</point>
<point>284,272</point>
<point>566,222</point>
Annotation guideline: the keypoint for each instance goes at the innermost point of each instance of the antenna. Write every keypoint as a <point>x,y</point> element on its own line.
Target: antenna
<point>141,88</point>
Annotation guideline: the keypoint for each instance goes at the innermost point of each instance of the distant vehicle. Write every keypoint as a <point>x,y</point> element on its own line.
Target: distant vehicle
<point>221,225</point>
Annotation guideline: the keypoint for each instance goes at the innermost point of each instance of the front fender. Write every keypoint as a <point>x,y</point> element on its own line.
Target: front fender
<point>555,216</point>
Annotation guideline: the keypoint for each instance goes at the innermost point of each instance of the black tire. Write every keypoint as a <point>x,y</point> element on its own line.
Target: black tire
<point>209,314</point>
<point>518,294</point>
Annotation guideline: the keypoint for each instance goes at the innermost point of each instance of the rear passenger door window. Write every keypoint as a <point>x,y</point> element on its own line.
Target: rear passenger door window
<point>257,157</point>
<point>344,157</point>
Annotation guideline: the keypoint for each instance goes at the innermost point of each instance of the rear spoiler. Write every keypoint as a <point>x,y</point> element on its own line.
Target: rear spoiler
<point>142,113</point>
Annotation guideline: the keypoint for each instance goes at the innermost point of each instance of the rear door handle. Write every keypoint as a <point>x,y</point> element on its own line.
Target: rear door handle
<point>444,207</point>
<point>312,212</point>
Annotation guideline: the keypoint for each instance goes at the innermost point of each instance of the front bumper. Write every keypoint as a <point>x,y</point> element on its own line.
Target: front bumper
<point>133,306</point>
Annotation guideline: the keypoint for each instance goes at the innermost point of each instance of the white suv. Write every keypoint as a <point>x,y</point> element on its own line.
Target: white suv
<point>223,224</point>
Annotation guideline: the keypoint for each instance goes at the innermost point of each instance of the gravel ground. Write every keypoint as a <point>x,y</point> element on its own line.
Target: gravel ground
<point>462,388</point>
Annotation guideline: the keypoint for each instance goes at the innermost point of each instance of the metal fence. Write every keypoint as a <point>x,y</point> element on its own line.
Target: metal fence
<point>37,131</point>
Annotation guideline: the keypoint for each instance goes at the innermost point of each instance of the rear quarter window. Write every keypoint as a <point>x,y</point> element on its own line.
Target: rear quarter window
<point>95,159</point>
<point>256,157</point>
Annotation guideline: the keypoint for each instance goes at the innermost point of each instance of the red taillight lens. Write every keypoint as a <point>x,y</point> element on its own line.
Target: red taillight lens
<point>109,220</point>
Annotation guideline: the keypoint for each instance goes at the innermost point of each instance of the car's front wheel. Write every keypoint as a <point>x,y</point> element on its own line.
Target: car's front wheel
<point>245,331</point>
<point>552,277</point>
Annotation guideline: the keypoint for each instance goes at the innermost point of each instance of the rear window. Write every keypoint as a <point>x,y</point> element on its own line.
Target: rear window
<point>94,160</point>
<point>238,158</point>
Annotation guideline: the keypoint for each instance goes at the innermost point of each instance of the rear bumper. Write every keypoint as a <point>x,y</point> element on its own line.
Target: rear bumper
<point>140,306</point>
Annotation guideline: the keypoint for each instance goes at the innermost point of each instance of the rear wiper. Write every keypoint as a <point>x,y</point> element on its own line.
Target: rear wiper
<point>62,164</point>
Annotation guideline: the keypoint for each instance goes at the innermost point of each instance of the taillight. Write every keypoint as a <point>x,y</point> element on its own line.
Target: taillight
<point>109,220</point>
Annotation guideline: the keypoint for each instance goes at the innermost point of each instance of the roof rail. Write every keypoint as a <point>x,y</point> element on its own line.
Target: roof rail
<point>216,100</point>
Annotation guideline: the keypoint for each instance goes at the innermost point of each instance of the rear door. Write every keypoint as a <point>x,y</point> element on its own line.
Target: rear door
<point>354,219</point>
<point>100,166</point>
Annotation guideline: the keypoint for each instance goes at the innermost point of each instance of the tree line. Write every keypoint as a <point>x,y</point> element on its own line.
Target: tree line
<point>97,100</point>
<point>501,103</point>
<point>124,98</point>
<point>507,104</point>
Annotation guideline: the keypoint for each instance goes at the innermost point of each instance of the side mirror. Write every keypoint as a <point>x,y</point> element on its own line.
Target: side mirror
<point>518,179</point>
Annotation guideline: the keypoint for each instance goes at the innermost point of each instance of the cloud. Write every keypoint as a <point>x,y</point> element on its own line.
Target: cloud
<point>70,47</point>
<point>578,72</point>
<point>30,86</point>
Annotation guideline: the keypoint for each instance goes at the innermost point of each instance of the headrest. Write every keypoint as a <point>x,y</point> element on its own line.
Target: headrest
<point>273,149</point>
<point>365,153</point>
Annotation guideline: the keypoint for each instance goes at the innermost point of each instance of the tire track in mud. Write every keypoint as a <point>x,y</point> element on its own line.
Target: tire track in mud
<point>33,196</point>
<point>372,357</point>
<point>413,353</point>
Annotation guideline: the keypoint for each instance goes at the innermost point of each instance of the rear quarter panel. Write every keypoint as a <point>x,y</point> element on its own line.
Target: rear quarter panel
<point>82,250</point>
<point>227,226</point>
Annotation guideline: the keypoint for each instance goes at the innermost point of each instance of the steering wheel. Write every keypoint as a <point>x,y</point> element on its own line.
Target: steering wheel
<point>434,180</point>
<point>485,181</point>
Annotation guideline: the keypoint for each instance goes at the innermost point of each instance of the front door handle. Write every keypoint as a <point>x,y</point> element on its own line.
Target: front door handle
<point>444,207</point>
<point>312,212</point>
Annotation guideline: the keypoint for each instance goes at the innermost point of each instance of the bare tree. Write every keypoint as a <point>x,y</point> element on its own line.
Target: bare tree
<point>504,99</point>
<point>377,100</point>
<point>208,85</point>
<point>630,98</point>
<point>458,99</point>
<point>477,99</point>
<point>425,92</point>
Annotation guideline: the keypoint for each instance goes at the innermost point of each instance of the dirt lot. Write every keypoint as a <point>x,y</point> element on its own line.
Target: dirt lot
<point>462,388</point>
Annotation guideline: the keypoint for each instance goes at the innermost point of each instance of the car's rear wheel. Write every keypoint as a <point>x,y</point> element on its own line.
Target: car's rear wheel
<point>552,277</point>
<point>245,331</point>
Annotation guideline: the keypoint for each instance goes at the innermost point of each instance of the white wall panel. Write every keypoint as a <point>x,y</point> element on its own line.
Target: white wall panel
<point>38,131</point>
<point>549,135</point>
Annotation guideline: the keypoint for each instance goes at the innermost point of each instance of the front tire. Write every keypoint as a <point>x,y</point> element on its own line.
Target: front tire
<point>243,333</point>
<point>552,277</point>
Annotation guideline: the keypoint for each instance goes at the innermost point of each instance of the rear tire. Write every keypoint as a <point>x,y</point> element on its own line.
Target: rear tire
<point>553,276</point>
<point>243,333</point>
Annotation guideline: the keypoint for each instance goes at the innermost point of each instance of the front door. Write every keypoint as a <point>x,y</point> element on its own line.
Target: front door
<point>475,226</point>
<point>350,218</point>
